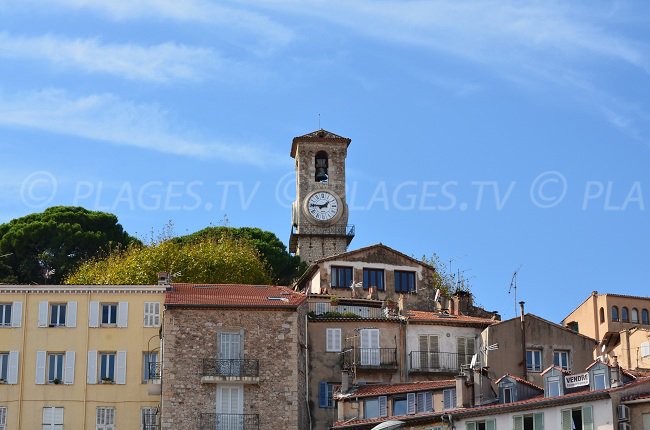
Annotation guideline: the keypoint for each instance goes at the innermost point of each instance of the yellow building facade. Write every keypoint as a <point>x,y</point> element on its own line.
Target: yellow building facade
<point>79,357</point>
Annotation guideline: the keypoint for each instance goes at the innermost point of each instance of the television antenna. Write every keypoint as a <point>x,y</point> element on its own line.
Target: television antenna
<point>513,285</point>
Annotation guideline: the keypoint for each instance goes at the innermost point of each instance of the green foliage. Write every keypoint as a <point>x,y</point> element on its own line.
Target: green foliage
<point>444,280</point>
<point>285,268</point>
<point>203,261</point>
<point>58,239</point>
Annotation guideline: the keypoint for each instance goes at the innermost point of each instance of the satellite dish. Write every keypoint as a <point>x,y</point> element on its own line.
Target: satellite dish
<point>388,425</point>
<point>437,297</point>
<point>473,362</point>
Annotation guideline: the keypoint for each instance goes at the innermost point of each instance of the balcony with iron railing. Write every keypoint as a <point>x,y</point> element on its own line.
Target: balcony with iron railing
<point>327,310</point>
<point>229,422</point>
<point>437,362</point>
<point>370,359</point>
<point>217,370</point>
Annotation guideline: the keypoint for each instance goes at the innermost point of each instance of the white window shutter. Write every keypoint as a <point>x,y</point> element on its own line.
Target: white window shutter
<point>91,376</point>
<point>41,357</point>
<point>121,368</point>
<point>421,402</point>
<point>383,410</point>
<point>16,314</point>
<point>329,339</point>
<point>147,314</point>
<point>93,314</point>
<point>122,314</point>
<point>71,314</point>
<point>42,314</point>
<point>428,401</point>
<point>410,403</point>
<point>68,377</point>
<point>12,368</point>
<point>156,313</point>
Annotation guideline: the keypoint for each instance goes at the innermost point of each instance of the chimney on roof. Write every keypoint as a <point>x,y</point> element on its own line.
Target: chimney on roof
<point>615,373</point>
<point>163,278</point>
<point>462,302</point>
<point>464,388</point>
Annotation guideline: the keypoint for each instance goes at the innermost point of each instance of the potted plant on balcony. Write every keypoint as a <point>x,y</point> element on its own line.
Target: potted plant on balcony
<point>57,381</point>
<point>334,301</point>
<point>107,380</point>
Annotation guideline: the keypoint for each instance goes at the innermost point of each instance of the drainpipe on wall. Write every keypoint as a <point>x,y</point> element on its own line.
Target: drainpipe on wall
<point>523,340</point>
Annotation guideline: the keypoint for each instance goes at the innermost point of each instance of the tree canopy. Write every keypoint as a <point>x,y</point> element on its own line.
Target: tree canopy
<point>285,268</point>
<point>45,247</point>
<point>207,260</point>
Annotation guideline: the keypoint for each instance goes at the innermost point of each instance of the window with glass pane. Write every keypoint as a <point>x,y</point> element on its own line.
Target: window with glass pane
<point>109,313</point>
<point>553,387</point>
<point>149,419</point>
<point>57,314</point>
<point>341,277</point>
<point>4,363</point>
<point>534,360</point>
<point>5,314</point>
<point>55,368</point>
<point>600,383</point>
<point>105,418</point>
<point>52,418</point>
<point>561,359</point>
<point>399,406</point>
<point>107,366</point>
<point>624,315</point>
<point>644,317</point>
<point>404,281</point>
<point>614,313</point>
<point>373,278</point>
<point>150,363</point>
<point>3,418</point>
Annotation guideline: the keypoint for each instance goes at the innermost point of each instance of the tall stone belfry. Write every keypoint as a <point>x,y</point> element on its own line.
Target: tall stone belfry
<point>320,214</point>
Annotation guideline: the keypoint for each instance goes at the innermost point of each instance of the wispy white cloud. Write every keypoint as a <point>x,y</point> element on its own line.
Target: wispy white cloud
<point>107,118</point>
<point>270,34</point>
<point>158,63</point>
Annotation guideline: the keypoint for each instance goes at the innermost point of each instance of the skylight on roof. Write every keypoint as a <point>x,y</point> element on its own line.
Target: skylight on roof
<point>283,299</point>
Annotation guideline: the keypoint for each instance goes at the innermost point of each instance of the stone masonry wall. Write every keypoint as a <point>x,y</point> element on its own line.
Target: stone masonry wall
<point>274,337</point>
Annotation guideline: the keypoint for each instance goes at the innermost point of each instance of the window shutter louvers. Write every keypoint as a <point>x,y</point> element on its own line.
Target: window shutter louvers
<point>12,368</point>
<point>539,421</point>
<point>16,314</point>
<point>71,314</point>
<point>410,403</point>
<point>383,409</point>
<point>122,314</point>
<point>490,425</point>
<point>567,421</point>
<point>518,422</point>
<point>41,357</point>
<point>322,394</point>
<point>470,346</point>
<point>428,401</point>
<point>470,426</point>
<point>68,377</point>
<point>91,376</point>
<point>93,314</point>
<point>420,403</point>
<point>423,341</point>
<point>121,368</point>
<point>587,418</point>
<point>42,314</point>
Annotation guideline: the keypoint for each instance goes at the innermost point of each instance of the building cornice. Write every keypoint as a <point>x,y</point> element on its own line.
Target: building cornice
<point>82,289</point>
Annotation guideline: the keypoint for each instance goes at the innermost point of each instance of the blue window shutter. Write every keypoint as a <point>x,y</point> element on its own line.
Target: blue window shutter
<point>322,394</point>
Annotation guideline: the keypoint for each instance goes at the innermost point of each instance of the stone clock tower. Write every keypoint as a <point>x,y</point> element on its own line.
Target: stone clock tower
<point>320,214</point>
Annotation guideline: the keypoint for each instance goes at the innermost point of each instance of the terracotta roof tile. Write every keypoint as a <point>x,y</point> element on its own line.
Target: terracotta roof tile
<point>437,317</point>
<point>371,390</point>
<point>521,380</point>
<point>233,295</point>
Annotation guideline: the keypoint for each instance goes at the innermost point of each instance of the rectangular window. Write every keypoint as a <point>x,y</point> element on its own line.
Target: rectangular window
<point>600,381</point>
<point>561,359</point>
<point>481,425</point>
<point>148,419</point>
<point>578,418</point>
<point>371,408</point>
<point>4,365</point>
<point>105,418</point>
<point>400,406</point>
<point>528,422</point>
<point>150,366</point>
<point>152,314</point>
<point>449,398</point>
<point>465,347</point>
<point>507,395</point>
<point>107,366</point>
<point>404,282</point>
<point>3,418</point>
<point>534,360</point>
<point>373,278</point>
<point>326,395</point>
<point>57,315</point>
<point>333,340</point>
<point>5,314</point>
<point>52,418</point>
<point>109,313</point>
<point>341,277</point>
<point>55,368</point>
<point>553,388</point>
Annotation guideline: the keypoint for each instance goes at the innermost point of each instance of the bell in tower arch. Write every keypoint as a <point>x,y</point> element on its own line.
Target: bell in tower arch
<point>321,167</point>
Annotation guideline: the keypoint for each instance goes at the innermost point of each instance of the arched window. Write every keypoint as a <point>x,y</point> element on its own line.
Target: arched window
<point>624,315</point>
<point>321,167</point>
<point>635,315</point>
<point>602,315</point>
<point>614,313</point>
<point>644,317</point>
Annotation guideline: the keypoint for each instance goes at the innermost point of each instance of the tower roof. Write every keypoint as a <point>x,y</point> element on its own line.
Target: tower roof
<point>318,136</point>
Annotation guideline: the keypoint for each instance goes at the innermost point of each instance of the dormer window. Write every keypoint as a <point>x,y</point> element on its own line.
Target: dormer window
<point>321,167</point>
<point>553,388</point>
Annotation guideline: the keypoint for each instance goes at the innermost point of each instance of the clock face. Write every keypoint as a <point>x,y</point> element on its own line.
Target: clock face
<point>323,206</point>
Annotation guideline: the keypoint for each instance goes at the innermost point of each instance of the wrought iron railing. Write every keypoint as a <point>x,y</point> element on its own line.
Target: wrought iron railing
<point>155,370</point>
<point>327,310</point>
<point>229,422</point>
<point>370,358</point>
<point>425,361</point>
<point>231,367</point>
<point>150,421</point>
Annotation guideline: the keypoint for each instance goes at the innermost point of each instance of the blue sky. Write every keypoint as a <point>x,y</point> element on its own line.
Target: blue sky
<point>497,134</point>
